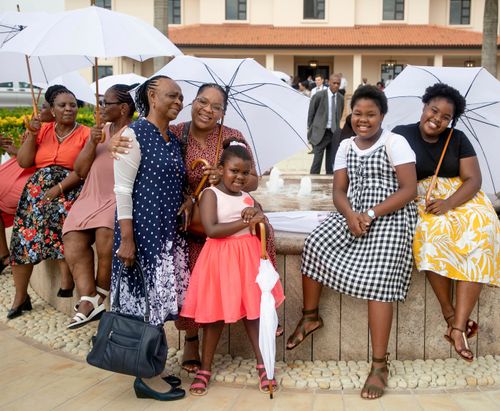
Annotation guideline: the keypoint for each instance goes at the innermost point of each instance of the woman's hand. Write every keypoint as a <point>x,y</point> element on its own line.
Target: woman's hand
<point>96,135</point>
<point>8,145</point>
<point>119,144</point>
<point>437,206</point>
<point>357,224</point>
<point>213,175</point>
<point>126,252</point>
<point>186,209</point>
<point>257,218</point>
<point>34,124</point>
<point>52,193</point>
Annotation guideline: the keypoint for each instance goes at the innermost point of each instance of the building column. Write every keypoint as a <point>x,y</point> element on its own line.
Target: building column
<point>438,60</point>
<point>357,74</point>
<point>270,61</point>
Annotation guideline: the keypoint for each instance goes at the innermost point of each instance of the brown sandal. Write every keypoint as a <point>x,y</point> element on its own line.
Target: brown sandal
<point>472,327</point>
<point>192,365</point>
<point>379,373</point>
<point>300,334</point>
<point>466,343</point>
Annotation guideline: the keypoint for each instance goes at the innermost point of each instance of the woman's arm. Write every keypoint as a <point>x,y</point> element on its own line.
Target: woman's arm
<point>125,172</point>
<point>27,152</point>
<point>86,157</point>
<point>470,174</point>
<point>407,180</point>
<point>208,214</point>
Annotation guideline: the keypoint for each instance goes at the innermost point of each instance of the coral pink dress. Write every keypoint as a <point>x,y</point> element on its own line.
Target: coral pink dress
<point>222,286</point>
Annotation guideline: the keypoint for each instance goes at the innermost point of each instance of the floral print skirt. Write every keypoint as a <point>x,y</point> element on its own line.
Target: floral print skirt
<point>37,231</point>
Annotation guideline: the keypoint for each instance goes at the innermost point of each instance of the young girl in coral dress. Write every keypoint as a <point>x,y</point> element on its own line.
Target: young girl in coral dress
<point>222,287</point>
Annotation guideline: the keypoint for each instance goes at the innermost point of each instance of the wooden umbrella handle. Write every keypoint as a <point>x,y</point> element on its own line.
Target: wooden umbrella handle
<point>263,248</point>
<point>434,177</point>
<point>200,186</point>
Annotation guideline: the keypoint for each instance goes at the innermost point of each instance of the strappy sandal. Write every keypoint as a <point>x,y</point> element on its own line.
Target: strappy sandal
<point>472,327</point>
<point>3,266</point>
<point>264,381</point>
<point>300,334</point>
<point>81,319</point>
<point>191,365</point>
<point>466,343</point>
<point>380,373</point>
<point>104,294</point>
<point>204,377</point>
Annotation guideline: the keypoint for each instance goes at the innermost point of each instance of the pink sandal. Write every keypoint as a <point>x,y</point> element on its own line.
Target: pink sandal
<point>264,382</point>
<point>204,377</point>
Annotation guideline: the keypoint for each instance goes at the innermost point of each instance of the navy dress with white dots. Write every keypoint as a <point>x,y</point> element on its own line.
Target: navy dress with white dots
<point>161,250</point>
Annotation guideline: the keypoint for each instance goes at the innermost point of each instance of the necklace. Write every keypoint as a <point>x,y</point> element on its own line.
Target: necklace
<point>62,138</point>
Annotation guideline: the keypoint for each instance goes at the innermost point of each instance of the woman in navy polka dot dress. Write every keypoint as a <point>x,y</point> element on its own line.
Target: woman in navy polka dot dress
<point>149,185</point>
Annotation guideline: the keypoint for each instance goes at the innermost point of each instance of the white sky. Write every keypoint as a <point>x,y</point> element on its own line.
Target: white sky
<point>32,5</point>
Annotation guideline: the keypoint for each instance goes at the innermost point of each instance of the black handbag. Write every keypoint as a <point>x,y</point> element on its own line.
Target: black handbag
<point>128,344</point>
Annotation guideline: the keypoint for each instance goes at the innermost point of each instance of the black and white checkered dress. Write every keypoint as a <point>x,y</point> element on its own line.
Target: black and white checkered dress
<point>378,265</point>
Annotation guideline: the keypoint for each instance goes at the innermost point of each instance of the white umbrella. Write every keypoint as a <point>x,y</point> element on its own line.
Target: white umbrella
<point>12,22</point>
<point>480,121</point>
<point>283,76</point>
<point>271,115</point>
<point>108,81</point>
<point>93,32</point>
<point>268,321</point>
<point>74,82</point>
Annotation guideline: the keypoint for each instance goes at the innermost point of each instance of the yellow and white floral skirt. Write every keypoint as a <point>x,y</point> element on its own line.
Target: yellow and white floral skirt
<point>464,243</point>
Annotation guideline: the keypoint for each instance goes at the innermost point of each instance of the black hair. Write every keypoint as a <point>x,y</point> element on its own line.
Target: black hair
<point>452,95</point>
<point>53,91</point>
<point>122,92</point>
<point>305,83</point>
<point>218,87</point>
<point>234,150</point>
<point>141,96</point>
<point>371,93</point>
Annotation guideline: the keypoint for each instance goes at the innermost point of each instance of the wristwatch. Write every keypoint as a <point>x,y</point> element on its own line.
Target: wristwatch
<point>371,213</point>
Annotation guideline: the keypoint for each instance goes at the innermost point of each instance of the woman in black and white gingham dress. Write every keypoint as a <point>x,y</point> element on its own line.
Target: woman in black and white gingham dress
<point>364,249</point>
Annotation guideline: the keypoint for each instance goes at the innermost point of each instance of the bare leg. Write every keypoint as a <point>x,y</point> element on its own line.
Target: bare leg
<point>4,249</point>
<point>211,336</point>
<point>191,355</point>
<point>252,329</point>
<point>80,258</point>
<point>104,247</point>
<point>379,322</point>
<point>467,297</point>
<point>21,274</point>
<point>310,321</point>
<point>442,289</point>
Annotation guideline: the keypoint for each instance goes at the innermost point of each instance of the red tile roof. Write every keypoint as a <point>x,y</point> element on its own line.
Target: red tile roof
<point>257,36</point>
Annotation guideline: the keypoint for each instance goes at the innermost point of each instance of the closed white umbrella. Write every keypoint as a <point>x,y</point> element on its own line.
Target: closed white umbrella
<point>271,115</point>
<point>108,81</point>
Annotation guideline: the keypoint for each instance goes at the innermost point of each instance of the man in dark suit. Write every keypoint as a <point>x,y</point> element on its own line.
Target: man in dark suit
<point>325,111</point>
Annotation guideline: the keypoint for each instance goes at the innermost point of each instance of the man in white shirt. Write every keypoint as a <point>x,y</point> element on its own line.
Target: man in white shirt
<point>318,80</point>
<point>343,84</point>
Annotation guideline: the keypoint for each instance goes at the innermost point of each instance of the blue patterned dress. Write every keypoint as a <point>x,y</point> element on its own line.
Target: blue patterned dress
<point>161,250</point>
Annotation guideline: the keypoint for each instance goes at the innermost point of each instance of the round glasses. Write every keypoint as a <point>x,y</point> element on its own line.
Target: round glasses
<point>216,108</point>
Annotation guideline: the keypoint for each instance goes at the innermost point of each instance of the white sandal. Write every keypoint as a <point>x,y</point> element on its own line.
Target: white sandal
<point>99,290</point>
<point>81,319</point>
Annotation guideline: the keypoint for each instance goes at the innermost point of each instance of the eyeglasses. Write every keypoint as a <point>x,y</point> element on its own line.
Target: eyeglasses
<point>104,103</point>
<point>216,108</point>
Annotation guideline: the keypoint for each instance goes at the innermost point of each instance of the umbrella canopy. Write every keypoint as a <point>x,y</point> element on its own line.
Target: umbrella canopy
<point>12,22</point>
<point>93,32</point>
<point>282,76</point>
<point>271,115</point>
<point>74,82</point>
<point>268,321</point>
<point>480,121</point>
<point>107,82</point>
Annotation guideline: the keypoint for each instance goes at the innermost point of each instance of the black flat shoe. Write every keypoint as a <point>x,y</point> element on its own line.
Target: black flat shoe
<point>65,293</point>
<point>172,380</point>
<point>16,312</point>
<point>143,391</point>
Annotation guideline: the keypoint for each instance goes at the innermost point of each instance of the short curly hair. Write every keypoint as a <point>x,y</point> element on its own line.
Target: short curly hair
<point>370,93</point>
<point>442,90</point>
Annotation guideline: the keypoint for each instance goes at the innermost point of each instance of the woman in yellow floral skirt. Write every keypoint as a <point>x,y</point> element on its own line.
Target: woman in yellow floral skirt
<point>458,231</point>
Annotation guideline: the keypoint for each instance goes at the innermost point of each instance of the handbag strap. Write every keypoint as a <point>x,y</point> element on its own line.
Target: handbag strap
<point>116,300</point>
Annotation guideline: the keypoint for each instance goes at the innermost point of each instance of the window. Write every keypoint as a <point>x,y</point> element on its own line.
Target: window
<point>394,10</point>
<point>389,72</point>
<point>236,9</point>
<point>459,11</point>
<point>314,9</point>
<point>174,12</point>
<point>103,71</point>
<point>105,4</point>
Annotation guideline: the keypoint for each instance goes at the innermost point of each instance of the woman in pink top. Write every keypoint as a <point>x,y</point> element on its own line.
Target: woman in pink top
<point>222,288</point>
<point>92,217</point>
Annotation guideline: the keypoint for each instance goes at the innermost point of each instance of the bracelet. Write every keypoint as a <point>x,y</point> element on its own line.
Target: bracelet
<point>60,188</point>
